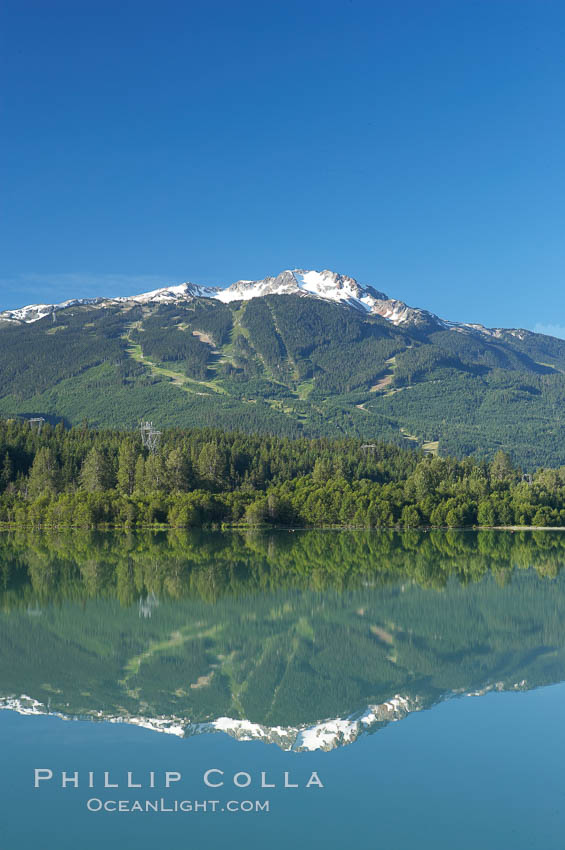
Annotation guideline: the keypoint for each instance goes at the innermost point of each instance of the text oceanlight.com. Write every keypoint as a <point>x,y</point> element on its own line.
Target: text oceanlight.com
<point>95,804</point>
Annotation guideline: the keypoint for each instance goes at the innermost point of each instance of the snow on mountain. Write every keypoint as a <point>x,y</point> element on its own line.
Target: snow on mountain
<point>326,735</point>
<point>166,295</point>
<point>341,289</point>
<point>283,284</point>
<point>326,285</point>
<point>171,294</point>
<point>34,312</point>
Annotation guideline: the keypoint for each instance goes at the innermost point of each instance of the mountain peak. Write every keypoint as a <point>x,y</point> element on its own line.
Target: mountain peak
<point>326,285</point>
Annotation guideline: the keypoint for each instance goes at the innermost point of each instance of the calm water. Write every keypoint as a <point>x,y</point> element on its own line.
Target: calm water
<point>417,677</point>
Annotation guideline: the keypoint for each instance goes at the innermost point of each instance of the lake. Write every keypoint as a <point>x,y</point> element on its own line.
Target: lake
<point>316,688</point>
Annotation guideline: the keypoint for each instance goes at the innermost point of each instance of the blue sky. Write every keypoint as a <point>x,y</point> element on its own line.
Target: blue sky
<point>418,146</point>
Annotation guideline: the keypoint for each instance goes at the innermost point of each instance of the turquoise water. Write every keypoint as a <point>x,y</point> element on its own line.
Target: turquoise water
<point>475,772</point>
<point>418,678</point>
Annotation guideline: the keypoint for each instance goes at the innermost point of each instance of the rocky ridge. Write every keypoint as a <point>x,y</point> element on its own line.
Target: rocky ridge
<point>326,285</point>
<point>326,735</point>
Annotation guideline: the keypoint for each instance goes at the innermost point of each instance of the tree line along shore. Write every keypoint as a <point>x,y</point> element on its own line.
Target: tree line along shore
<point>51,476</point>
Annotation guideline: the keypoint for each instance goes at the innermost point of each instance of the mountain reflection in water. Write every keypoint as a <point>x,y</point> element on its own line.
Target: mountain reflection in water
<point>308,640</point>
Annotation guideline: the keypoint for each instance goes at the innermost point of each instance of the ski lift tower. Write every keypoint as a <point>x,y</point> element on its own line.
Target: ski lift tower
<point>37,423</point>
<point>150,437</point>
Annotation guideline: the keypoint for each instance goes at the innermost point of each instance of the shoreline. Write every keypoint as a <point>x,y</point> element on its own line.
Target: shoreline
<point>5,526</point>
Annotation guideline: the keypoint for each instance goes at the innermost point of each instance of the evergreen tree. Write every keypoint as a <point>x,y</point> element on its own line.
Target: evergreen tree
<point>7,471</point>
<point>96,472</point>
<point>155,475</point>
<point>44,474</point>
<point>178,471</point>
<point>211,463</point>
<point>139,475</point>
<point>501,467</point>
<point>127,457</point>
<point>322,469</point>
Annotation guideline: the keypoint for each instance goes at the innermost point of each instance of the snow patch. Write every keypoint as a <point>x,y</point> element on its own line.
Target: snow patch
<point>171,294</point>
<point>335,287</point>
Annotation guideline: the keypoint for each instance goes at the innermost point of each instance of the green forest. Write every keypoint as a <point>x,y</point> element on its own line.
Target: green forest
<point>52,476</point>
<point>294,367</point>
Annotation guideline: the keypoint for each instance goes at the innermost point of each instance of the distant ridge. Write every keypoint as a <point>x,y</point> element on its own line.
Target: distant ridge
<point>326,285</point>
<point>301,354</point>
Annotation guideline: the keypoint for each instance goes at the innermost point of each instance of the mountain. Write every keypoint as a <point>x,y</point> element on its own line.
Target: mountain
<point>326,285</point>
<point>302,353</point>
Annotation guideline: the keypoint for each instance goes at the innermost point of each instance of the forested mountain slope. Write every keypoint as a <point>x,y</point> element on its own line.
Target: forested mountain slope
<point>340,361</point>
